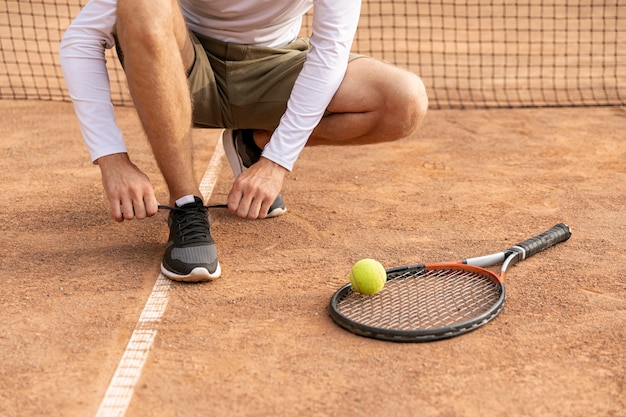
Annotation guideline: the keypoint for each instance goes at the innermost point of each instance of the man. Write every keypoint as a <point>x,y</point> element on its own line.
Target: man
<point>227,64</point>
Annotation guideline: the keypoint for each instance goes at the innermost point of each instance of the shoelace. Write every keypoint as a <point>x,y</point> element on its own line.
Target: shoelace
<point>163,207</point>
<point>192,223</point>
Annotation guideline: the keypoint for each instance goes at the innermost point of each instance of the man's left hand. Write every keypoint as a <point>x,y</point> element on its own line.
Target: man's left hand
<point>255,189</point>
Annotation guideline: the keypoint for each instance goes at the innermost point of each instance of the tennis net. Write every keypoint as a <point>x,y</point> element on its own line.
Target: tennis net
<point>470,53</point>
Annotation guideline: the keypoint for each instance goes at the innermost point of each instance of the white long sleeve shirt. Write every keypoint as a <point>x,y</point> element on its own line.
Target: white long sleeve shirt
<point>255,22</point>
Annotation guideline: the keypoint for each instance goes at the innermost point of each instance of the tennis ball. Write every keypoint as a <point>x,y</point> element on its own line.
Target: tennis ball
<point>368,276</point>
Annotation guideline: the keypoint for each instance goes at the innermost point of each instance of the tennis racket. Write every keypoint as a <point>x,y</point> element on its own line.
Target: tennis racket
<point>428,302</point>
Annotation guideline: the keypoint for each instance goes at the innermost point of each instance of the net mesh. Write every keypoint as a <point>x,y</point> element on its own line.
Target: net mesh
<point>470,53</point>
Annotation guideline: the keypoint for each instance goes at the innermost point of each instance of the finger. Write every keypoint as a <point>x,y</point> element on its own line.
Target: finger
<point>265,208</point>
<point>243,210</point>
<point>139,208</point>
<point>152,205</point>
<point>232,200</point>
<point>128,211</point>
<point>255,209</point>
<point>116,211</point>
<point>238,201</point>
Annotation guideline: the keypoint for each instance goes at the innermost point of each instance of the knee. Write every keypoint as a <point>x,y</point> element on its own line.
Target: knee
<point>140,25</point>
<point>411,105</point>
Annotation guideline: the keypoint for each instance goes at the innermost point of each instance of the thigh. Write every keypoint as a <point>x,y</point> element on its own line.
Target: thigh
<point>242,86</point>
<point>203,87</point>
<point>369,84</point>
<point>259,83</point>
<point>263,85</point>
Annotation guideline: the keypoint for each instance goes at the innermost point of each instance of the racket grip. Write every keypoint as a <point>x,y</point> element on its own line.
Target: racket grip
<point>557,234</point>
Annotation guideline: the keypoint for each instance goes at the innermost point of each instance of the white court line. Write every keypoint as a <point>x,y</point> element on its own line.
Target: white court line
<point>122,386</point>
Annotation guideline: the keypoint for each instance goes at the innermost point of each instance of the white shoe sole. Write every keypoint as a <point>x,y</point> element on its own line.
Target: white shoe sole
<point>198,274</point>
<point>231,153</point>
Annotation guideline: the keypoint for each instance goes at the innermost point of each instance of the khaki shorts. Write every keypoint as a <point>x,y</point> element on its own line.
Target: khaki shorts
<point>242,86</point>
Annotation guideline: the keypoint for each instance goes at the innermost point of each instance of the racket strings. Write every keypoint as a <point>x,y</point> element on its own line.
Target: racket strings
<point>424,299</point>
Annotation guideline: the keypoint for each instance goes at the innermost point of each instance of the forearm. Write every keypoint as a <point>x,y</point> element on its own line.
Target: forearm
<point>334,26</point>
<point>84,67</point>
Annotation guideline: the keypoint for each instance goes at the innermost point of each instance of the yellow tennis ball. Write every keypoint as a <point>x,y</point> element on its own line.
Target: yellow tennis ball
<point>368,276</point>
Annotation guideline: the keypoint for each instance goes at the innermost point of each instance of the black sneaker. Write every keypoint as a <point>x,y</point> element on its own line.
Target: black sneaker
<point>190,254</point>
<point>242,152</point>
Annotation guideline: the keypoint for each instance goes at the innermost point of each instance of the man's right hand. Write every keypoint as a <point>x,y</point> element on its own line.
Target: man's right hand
<point>128,190</point>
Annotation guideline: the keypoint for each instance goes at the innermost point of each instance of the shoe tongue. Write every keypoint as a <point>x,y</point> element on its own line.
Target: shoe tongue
<point>187,200</point>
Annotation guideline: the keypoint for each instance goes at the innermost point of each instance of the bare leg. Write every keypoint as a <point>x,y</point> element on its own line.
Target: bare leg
<point>157,55</point>
<point>376,102</point>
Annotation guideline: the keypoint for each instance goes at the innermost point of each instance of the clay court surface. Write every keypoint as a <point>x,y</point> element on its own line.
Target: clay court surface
<point>259,341</point>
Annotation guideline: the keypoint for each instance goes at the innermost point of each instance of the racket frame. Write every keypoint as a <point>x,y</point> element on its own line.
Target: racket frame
<point>427,335</point>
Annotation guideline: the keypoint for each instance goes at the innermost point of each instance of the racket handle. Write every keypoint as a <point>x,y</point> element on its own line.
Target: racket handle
<point>557,234</point>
